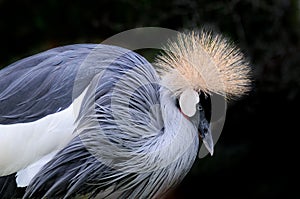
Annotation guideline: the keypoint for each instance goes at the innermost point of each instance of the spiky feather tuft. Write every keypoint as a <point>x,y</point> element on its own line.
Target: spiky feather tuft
<point>206,62</point>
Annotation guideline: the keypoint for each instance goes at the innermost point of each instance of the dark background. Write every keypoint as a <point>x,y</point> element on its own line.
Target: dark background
<point>256,154</point>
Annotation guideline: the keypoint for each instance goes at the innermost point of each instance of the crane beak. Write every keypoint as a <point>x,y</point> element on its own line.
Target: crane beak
<point>206,136</point>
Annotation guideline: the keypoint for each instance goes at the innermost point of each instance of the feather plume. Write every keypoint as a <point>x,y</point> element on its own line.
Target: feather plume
<point>206,62</point>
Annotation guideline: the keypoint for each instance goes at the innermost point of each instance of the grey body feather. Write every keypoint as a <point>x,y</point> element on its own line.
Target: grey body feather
<point>127,141</point>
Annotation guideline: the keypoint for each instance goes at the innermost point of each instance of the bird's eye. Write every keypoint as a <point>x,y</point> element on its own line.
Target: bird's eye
<point>199,107</point>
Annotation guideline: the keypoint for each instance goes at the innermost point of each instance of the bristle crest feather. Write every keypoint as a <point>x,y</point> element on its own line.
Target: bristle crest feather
<point>206,62</point>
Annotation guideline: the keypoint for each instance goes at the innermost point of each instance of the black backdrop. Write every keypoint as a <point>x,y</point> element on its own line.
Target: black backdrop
<point>256,154</point>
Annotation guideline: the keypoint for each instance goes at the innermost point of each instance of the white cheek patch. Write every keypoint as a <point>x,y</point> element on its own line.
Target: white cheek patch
<point>188,101</point>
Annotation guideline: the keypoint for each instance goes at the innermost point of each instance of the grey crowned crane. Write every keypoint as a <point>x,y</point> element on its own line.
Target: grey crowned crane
<point>100,120</point>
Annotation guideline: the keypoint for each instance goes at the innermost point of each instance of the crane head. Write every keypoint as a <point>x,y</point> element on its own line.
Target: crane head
<point>203,62</point>
<point>189,104</point>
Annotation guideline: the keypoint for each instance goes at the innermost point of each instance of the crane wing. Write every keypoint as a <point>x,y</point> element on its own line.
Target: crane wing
<point>42,84</point>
